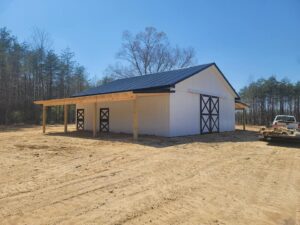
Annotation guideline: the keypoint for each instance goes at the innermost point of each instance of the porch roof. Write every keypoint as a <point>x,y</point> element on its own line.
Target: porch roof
<point>239,105</point>
<point>123,96</point>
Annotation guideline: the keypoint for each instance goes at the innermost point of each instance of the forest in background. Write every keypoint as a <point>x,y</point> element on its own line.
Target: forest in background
<point>33,71</point>
<point>268,98</point>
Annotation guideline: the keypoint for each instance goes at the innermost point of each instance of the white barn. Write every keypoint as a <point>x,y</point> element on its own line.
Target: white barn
<point>189,101</point>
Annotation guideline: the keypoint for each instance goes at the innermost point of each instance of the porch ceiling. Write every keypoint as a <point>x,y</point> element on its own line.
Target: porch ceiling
<point>240,105</point>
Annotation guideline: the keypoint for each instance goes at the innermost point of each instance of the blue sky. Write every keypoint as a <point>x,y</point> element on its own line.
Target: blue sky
<point>247,39</point>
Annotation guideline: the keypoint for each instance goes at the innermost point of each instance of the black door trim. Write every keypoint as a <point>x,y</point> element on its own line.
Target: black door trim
<point>104,120</point>
<point>209,114</point>
<point>80,119</point>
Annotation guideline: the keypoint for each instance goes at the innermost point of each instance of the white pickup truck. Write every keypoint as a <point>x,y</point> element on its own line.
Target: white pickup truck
<point>286,121</point>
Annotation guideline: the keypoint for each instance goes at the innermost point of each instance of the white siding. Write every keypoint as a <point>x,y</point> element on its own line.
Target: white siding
<point>185,103</point>
<point>153,115</point>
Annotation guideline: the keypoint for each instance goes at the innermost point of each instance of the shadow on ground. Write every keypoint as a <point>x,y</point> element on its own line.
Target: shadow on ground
<point>161,142</point>
<point>13,128</point>
<point>285,144</point>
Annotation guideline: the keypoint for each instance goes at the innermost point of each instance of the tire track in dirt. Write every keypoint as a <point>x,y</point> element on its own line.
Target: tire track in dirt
<point>71,166</point>
<point>197,183</point>
<point>195,206</point>
<point>79,181</point>
<point>136,214</point>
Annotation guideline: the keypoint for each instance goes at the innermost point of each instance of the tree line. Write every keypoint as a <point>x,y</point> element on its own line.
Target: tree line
<point>268,98</point>
<point>33,71</point>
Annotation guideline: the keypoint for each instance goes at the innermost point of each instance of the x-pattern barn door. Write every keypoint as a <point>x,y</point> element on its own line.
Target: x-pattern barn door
<point>104,119</point>
<point>209,114</point>
<point>80,119</point>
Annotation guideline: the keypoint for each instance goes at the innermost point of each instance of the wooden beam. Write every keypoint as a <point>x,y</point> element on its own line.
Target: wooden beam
<point>88,99</point>
<point>135,120</point>
<point>44,118</point>
<point>76,118</point>
<point>95,120</point>
<point>66,118</point>
<point>241,105</point>
<point>151,94</point>
<point>244,119</point>
<point>123,96</point>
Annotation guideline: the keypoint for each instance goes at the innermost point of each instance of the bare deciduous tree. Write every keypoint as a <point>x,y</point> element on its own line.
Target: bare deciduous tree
<point>40,39</point>
<point>148,52</point>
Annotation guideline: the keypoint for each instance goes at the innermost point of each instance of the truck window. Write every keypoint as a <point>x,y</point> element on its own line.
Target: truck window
<point>285,118</point>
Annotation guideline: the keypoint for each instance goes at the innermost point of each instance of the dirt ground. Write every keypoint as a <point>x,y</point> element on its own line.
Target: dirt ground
<point>228,178</point>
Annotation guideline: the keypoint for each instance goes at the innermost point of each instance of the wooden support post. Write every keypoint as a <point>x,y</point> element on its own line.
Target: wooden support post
<point>244,119</point>
<point>95,120</point>
<point>44,118</point>
<point>135,120</point>
<point>76,118</point>
<point>66,118</point>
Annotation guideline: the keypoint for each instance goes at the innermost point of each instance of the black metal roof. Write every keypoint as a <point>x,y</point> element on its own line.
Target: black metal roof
<point>155,81</point>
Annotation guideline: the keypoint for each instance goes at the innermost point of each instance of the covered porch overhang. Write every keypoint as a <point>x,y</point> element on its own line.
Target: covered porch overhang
<point>241,106</point>
<point>95,99</point>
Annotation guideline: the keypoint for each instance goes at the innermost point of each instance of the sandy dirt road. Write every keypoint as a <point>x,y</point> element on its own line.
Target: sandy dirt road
<point>229,178</point>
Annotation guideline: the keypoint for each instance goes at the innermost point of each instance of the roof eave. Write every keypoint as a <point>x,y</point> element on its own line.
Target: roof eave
<point>158,89</point>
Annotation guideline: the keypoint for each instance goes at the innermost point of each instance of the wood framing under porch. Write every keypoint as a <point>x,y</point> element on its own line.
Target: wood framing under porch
<point>241,106</point>
<point>95,100</point>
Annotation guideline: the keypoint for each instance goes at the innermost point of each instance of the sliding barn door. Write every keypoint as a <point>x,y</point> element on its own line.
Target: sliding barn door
<point>209,114</point>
